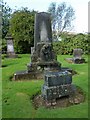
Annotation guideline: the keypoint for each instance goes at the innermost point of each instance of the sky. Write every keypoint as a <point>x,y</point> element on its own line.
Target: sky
<point>80,7</point>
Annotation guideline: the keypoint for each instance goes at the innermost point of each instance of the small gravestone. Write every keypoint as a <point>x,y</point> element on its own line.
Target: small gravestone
<point>77,56</point>
<point>10,47</point>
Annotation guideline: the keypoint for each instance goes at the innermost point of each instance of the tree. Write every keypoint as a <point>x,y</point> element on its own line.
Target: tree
<point>70,42</point>
<point>6,13</point>
<point>62,16</point>
<point>22,29</point>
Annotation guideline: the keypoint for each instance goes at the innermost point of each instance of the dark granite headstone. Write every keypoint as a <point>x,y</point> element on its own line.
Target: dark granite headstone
<point>10,47</point>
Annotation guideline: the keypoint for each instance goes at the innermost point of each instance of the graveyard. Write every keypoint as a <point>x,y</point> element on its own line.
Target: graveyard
<point>17,102</point>
<point>43,78</point>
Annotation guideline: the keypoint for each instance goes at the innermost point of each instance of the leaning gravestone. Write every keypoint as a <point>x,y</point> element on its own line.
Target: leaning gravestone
<point>10,47</point>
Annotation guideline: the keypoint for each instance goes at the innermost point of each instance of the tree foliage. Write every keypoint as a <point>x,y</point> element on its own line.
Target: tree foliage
<point>70,41</point>
<point>62,16</point>
<point>22,29</point>
<point>6,13</point>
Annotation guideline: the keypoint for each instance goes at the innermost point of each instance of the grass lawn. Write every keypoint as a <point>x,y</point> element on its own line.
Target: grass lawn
<point>16,102</point>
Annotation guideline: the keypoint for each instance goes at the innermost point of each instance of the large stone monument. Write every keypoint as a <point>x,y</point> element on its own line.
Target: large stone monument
<point>10,47</point>
<point>42,54</point>
<point>57,81</point>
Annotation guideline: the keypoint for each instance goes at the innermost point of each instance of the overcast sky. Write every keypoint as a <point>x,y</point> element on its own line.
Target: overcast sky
<point>80,7</point>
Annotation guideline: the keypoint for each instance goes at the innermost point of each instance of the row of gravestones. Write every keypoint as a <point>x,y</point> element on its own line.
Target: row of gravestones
<point>77,53</point>
<point>57,81</point>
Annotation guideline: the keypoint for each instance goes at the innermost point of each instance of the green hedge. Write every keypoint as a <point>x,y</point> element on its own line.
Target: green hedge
<point>70,42</point>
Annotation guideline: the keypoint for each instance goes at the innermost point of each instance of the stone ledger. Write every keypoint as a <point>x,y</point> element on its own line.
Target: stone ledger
<point>42,54</point>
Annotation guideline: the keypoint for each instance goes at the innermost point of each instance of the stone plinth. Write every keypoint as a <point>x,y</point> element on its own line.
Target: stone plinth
<point>77,57</point>
<point>56,85</point>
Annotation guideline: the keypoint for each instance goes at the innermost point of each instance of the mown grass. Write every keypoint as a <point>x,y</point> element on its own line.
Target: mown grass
<point>16,102</point>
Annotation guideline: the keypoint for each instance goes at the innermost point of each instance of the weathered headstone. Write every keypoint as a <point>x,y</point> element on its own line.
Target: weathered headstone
<point>43,57</point>
<point>77,56</point>
<point>10,47</point>
<point>42,54</point>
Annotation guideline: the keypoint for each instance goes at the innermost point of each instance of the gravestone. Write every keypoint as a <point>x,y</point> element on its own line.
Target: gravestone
<point>43,57</point>
<point>77,56</point>
<point>42,54</point>
<point>10,47</point>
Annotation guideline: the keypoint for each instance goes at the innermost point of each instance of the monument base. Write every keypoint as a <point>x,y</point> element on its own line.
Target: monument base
<point>62,102</point>
<point>25,75</point>
<point>50,94</point>
<point>41,66</point>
